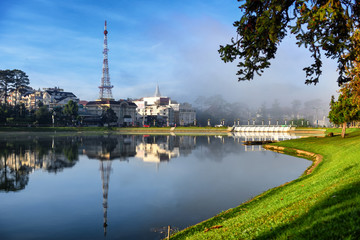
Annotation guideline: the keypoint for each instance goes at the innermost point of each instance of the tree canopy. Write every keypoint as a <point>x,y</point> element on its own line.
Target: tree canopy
<point>343,110</point>
<point>43,115</point>
<point>322,26</point>
<point>108,116</point>
<point>71,110</point>
<point>347,106</point>
<point>12,80</point>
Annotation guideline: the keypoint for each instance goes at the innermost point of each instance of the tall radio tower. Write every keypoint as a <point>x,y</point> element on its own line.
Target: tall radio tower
<point>105,88</point>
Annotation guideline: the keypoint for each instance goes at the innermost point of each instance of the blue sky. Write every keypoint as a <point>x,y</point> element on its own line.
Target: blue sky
<point>172,43</point>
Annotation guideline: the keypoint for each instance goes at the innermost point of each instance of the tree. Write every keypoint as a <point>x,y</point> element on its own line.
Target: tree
<point>20,81</point>
<point>71,110</point>
<point>344,110</point>
<point>58,114</point>
<point>6,83</point>
<point>322,26</point>
<point>42,115</point>
<point>108,116</point>
<point>12,80</point>
<point>347,107</point>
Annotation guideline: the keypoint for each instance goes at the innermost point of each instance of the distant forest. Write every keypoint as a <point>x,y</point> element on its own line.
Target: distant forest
<point>217,109</point>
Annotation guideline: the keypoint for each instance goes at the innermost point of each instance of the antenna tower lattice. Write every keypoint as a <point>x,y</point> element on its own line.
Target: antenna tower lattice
<point>105,88</point>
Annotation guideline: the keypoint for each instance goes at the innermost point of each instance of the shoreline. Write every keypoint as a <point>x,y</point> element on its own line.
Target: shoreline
<point>315,158</point>
<point>303,208</point>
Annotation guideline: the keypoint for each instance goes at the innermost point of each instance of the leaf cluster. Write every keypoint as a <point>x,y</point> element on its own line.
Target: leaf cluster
<point>71,110</point>
<point>344,109</point>
<point>108,116</point>
<point>321,26</point>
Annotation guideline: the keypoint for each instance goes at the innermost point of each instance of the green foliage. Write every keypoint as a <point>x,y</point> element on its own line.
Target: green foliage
<point>17,113</point>
<point>109,116</point>
<point>58,115</point>
<point>321,26</point>
<point>70,110</point>
<point>21,80</point>
<point>42,115</point>
<point>71,152</point>
<point>6,83</point>
<point>12,80</point>
<point>343,110</point>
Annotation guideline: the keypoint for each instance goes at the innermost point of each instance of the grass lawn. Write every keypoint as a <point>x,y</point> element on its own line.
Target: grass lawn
<point>322,205</point>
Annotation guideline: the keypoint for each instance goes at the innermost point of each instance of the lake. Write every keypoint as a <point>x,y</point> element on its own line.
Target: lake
<point>77,186</point>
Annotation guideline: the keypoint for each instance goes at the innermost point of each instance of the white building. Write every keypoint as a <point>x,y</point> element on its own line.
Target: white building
<point>56,97</point>
<point>50,97</point>
<point>161,110</point>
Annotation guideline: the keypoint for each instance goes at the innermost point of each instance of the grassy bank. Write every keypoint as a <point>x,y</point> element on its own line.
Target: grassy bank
<point>322,205</point>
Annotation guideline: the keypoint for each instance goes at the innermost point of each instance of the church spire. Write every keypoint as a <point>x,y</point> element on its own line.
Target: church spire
<point>157,91</point>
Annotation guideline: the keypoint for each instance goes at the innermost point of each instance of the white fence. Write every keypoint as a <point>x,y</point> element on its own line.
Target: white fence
<point>263,128</point>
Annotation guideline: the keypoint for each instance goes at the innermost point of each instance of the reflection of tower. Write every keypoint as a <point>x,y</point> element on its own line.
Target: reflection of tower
<point>105,168</point>
<point>105,88</point>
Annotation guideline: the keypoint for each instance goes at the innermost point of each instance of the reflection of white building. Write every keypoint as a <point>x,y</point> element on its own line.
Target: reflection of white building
<point>31,160</point>
<point>164,111</point>
<point>152,152</point>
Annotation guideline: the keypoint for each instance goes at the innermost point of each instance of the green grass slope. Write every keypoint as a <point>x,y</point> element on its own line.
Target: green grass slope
<point>322,205</point>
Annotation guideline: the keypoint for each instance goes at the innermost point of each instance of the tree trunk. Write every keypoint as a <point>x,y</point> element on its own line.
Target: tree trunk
<point>343,130</point>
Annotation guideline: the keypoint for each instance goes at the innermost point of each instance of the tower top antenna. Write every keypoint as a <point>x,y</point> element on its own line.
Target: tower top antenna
<point>105,31</point>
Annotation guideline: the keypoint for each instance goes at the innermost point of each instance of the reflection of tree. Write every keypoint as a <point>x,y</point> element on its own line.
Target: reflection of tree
<point>109,147</point>
<point>12,180</point>
<point>216,148</point>
<point>21,155</point>
<point>71,152</point>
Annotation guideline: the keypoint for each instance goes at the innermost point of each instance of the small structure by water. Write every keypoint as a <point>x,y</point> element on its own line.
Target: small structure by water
<point>263,128</point>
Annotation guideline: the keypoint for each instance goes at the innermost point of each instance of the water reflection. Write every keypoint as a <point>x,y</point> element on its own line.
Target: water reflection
<point>159,195</point>
<point>18,158</point>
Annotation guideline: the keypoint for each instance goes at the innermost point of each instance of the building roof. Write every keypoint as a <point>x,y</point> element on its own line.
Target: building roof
<point>102,102</point>
<point>83,102</point>
<point>111,102</point>
<point>128,102</point>
<point>59,95</point>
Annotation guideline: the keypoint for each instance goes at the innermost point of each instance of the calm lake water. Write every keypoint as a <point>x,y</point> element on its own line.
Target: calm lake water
<point>127,186</point>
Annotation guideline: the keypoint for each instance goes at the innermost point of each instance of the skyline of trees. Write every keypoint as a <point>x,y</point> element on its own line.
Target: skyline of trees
<point>216,108</point>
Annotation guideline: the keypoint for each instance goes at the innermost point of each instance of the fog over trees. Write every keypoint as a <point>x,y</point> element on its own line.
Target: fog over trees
<point>217,109</point>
